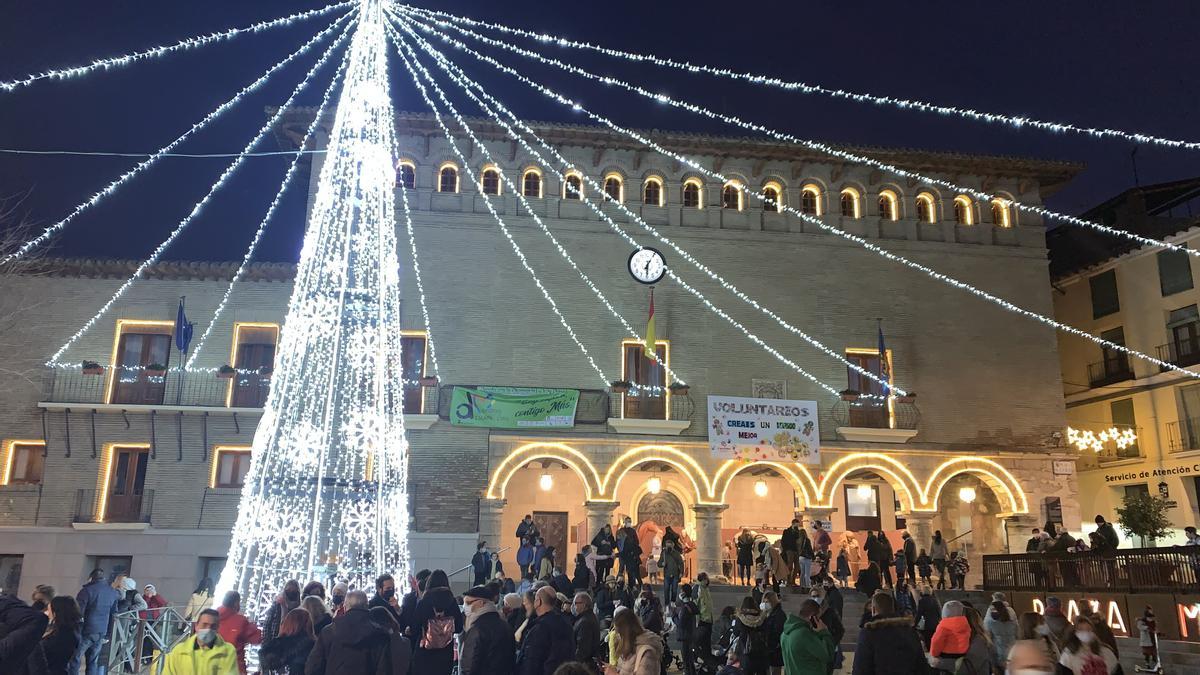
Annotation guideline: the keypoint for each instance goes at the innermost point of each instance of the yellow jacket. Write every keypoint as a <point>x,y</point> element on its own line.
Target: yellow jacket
<point>187,659</point>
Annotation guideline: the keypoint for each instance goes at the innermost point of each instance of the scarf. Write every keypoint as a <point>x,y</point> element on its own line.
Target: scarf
<point>488,607</point>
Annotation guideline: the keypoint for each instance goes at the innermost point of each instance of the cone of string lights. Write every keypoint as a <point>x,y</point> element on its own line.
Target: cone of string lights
<point>326,495</point>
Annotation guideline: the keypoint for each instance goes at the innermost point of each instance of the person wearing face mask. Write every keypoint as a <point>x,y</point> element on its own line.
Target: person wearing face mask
<point>435,620</point>
<point>828,613</point>
<point>42,595</point>
<point>750,640</point>
<point>385,596</point>
<point>337,600</point>
<point>205,652</point>
<point>704,618</point>
<point>1084,654</point>
<point>1032,628</point>
<point>631,554</point>
<point>487,644</point>
<point>480,562</point>
<point>285,602</point>
<point>587,631</point>
<point>684,618</point>
<point>776,618</point>
<point>236,629</point>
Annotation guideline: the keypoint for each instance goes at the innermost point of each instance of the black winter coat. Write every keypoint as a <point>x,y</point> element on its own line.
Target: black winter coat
<point>587,638</point>
<point>889,646</point>
<point>434,661</point>
<point>286,654</point>
<point>547,643</point>
<point>352,645</point>
<point>774,626</point>
<point>788,541</point>
<point>927,607</point>
<point>58,648</point>
<point>488,647</point>
<point>21,627</point>
<point>604,543</point>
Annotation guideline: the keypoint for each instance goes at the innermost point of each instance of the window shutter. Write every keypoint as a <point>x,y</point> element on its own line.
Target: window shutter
<point>1105,300</point>
<point>1174,272</point>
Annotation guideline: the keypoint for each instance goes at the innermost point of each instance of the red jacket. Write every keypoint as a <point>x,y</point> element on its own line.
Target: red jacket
<point>952,636</point>
<point>153,603</point>
<point>238,631</point>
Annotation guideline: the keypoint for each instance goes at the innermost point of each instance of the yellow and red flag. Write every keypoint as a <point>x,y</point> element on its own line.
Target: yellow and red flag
<point>649,348</point>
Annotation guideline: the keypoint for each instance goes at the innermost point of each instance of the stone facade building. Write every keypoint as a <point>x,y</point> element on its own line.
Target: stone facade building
<point>1146,300</point>
<point>130,468</point>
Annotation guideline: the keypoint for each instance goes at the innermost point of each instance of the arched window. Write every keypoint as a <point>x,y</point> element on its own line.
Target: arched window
<point>1001,216</point>
<point>925,211</point>
<point>888,205</point>
<point>531,183</point>
<point>573,187</point>
<point>692,194</point>
<point>964,210</point>
<point>731,197</point>
<point>851,206</point>
<point>614,188</point>
<point>772,197</point>
<point>448,178</point>
<point>406,175</point>
<point>490,181</point>
<point>810,200</point>
<point>652,191</point>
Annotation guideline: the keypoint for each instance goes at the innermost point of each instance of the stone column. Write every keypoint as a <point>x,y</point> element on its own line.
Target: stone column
<point>810,515</point>
<point>491,512</point>
<point>920,527</point>
<point>708,537</point>
<point>599,514</point>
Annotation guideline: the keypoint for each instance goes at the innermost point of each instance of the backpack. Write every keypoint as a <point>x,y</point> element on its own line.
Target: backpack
<point>439,631</point>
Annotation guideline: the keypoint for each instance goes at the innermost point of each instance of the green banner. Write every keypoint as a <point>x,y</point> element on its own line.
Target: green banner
<point>513,407</point>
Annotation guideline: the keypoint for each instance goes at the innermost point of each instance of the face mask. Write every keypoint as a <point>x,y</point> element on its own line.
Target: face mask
<point>338,599</point>
<point>389,594</point>
<point>1086,638</point>
<point>292,596</point>
<point>466,608</point>
<point>206,636</point>
<point>764,606</point>
<point>1043,630</point>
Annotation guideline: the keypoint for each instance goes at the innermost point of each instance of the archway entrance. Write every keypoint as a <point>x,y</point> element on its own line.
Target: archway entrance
<point>664,508</point>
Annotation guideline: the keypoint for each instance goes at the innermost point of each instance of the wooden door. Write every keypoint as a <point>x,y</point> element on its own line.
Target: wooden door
<point>132,384</point>
<point>553,526</point>
<point>126,485</point>
<point>250,389</point>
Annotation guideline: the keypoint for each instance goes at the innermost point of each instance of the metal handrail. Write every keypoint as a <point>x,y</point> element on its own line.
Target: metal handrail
<point>464,569</point>
<point>132,634</point>
<point>951,541</point>
<point>1139,570</point>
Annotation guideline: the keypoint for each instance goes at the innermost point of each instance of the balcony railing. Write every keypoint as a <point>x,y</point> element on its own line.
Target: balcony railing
<point>1183,435</point>
<point>1135,570</point>
<point>1181,353</point>
<point>1109,371</point>
<point>131,508</point>
<point>876,413</point>
<point>632,406</point>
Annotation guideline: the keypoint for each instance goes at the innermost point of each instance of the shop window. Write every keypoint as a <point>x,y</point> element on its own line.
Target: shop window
<point>254,360</point>
<point>643,371</point>
<point>1174,272</point>
<point>230,466</point>
<point>23,463</point>
<point>140,345</point>
<point>862,507</point>
<point>1105,299</point>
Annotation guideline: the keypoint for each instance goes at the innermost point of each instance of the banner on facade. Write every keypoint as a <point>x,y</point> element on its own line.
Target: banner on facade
<point>513,407</point>
<point>764,429</point>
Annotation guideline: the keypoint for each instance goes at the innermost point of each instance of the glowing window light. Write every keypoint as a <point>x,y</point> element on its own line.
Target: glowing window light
<point>760,488</point>
<point>810,199</point>
<point>406,173</point>
<point>489,181</point>
<point>654,485</point>
<point>573,186</point>
<point>693,194</point>
<point>448,178</point>
<point>967,495</point>
<point>925,208</point>
<point>546,482</point>
<point>864,491</point>
<point>851,203</point>
<point>731,196</point>
<point>614,188</point>
<point>964,210</point>
<point>773,197</point>
<point>652,191</point>
<point>889,205</point>
<point>531,183</point>
<point>1001,214</point>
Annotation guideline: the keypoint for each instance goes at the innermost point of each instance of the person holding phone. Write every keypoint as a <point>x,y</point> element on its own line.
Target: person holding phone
<point>807,645</point>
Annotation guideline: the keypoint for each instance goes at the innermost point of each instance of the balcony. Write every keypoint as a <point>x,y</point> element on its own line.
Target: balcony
<point>664,415</point>
<point>892,420</point>
<point>1182,353</point>
<point>1109,371</point>
<point>1183,435</point>
<point>92,507</point>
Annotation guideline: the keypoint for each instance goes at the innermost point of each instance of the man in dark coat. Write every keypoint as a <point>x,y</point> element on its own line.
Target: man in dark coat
<point>1107,534</point>
<point>630,554</point>
<point>684,618</point>
<point>408,605</point>
<point>21,628</point>
<point>98,605</point>
<point>385,596</point>
<point>1034,542</point>
<point>910,556</point>
<point>789,546</point>
<point>352,644</point>
<point>587,631</point>
<point>548,640</point>
<point>480,564</point>
<point>887,644</point>
<point>487,645</point>
<point>527,528</point>
<point>561,582</point>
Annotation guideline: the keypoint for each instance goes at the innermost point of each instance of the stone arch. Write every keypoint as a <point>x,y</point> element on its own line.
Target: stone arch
<point>663,503</point>
<point>727,471</point>
<point>517,459</point>
<point>680,461</point>
<point>908,490</point>
<point>996,477</point>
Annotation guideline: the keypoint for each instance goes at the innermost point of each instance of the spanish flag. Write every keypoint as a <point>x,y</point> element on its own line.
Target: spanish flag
<point>649,348</point>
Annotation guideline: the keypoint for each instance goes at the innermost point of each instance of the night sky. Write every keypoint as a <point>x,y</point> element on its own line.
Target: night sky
<point>1120,65</point>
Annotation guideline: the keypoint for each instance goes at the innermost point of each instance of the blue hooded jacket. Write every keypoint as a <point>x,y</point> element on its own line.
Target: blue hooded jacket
<point>98,603</point>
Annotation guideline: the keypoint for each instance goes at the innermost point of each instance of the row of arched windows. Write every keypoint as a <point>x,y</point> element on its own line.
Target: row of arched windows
<point>732,197</point>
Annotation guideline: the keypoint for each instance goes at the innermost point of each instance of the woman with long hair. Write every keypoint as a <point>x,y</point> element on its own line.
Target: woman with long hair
<point>639,651</point>
<point>201,599</point>
<point>939,552</point>
<point>437,618</point>
<point>980,652</point>
<point>1083,653</point>
<point>288,652</point>
<point>316,609</point>
<point>1032,627</point>
<point>62,636</point>
<point>750,634</point>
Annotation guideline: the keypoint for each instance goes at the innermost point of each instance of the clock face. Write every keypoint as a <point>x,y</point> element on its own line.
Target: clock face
<point>647,266</point>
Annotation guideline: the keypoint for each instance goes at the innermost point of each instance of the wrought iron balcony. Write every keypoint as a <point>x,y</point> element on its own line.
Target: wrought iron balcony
<point>876,413</point>
<point>1181,353</point>
<point>631,405</point>
<point>1183,435</point>
<point>94,507</point>
<point>1110,371</point>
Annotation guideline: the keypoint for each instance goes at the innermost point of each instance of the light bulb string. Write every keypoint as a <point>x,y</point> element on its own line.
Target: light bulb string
<point>112,187</point>
<point>1014,121</point>
<point>860,241</point>
<point>462,80</point>
<point>262,225</point>
<point>187,43</point>
<point>546,230</point>
<point>570,167</point>
<point>823,148</point>
<point>216,186</point>
<point>417,81</point>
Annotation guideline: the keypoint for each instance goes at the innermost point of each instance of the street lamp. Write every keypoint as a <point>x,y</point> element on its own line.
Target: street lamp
<point>654,485</point>
<point>546,482</point>
<point>967,494</point>
<point>760,488</point>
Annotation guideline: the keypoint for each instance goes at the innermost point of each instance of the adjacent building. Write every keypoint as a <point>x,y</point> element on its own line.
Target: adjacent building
<point>124,465</point>
<point>1136,424</point>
